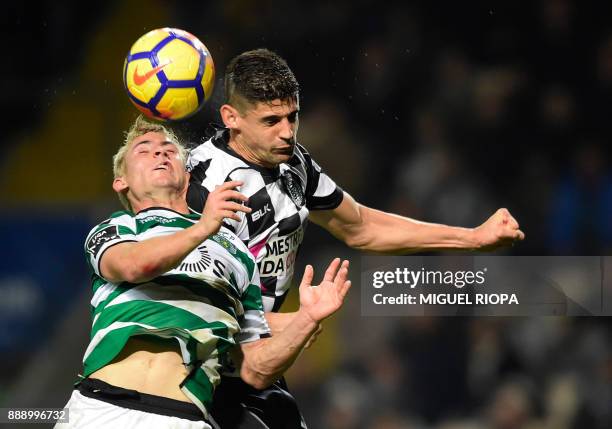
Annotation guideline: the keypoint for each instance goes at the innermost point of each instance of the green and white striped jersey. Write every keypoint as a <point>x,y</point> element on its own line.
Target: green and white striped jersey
<point>209,303</point>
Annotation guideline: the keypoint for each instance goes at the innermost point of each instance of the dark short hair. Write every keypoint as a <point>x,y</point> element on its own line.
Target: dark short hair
<point>259,76</point>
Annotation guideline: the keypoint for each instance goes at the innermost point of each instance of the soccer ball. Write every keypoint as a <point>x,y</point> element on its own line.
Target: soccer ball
<point>168,74</point>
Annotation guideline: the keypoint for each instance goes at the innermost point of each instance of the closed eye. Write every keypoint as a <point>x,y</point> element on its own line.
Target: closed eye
<point>271,120</point>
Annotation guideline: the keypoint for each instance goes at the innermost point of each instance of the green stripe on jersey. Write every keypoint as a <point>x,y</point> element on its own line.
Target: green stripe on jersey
<point>252,298</point>
<point>198,384</point>
<point>109,347</point>
<point>124,230</point>
<point>96,282</point>
<point>157,314</point>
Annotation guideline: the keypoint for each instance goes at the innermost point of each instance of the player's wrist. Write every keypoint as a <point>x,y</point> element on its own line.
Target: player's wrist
<point>305,320</point>
<point>202,230</point>
<point>474,239</point>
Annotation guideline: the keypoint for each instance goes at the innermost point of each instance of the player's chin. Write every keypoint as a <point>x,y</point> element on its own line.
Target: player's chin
<point>167,181</point>
<point>279,159</point>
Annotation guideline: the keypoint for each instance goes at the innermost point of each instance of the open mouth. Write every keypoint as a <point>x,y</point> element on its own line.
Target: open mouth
<point>162,167</point>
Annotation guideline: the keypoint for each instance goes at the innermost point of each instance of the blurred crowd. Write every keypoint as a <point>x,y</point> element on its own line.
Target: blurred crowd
<point>441,111</point>
<point>421,373</point>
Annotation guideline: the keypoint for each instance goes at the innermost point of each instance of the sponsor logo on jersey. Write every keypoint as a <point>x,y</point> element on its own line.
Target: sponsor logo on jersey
<point>280,254</point>
<point>97,241</point>
<point>262,211</point>
<point>155,218</point>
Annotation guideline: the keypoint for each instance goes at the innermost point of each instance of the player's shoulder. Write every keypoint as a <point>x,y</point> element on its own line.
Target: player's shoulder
<point>202,152</point>
<point>118,218</point>
<point>118,224</point>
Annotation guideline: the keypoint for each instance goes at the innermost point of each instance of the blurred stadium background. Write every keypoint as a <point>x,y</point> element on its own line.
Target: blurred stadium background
<point>441,111</point>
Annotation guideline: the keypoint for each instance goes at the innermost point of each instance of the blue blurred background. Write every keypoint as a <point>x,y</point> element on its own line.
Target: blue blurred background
<point>442,111</point>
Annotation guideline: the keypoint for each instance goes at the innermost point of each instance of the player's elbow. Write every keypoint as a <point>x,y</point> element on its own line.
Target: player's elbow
<point>255,369</point>
<point>137,271</point>
<point>358,233</point>
<point>358,240</point>
<point>133,276</point>
<point>256,377</point>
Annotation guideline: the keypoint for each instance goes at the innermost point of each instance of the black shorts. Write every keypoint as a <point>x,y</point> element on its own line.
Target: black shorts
<point>236,405</point>
<point>134,400</point>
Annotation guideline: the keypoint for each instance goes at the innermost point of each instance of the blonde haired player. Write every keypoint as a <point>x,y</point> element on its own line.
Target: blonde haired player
<point>173,293</point>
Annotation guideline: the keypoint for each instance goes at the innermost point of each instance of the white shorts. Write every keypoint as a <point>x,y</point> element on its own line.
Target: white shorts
<point>85,412</point>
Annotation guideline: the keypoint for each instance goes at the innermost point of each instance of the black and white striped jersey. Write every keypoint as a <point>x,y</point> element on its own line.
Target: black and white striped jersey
<point>280,198</point>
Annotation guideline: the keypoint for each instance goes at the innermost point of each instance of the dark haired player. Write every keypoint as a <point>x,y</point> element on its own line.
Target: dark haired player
<point>286,187</point>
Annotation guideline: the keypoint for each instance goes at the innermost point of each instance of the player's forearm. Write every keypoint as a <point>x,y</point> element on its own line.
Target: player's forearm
<point>142,261</point>
<point>267,362</point>
<point>389,233</point>
<point>279,321</point>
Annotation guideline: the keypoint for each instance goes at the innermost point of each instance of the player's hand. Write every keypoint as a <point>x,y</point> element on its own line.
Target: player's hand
<point>319,302</point>
<point>499,230</point>
<point>223,203</point>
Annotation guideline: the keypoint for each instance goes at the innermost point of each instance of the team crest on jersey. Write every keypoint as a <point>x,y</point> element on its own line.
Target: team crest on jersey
<point>294,188</point>
<point>197,261</point>
<point>223,241</point>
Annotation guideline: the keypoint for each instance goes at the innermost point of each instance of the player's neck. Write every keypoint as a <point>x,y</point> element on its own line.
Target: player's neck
<point>237,144</point>
<point>169,202</point>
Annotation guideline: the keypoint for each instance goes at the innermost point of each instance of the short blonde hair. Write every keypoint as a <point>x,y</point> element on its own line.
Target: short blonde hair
<point>140,127</point>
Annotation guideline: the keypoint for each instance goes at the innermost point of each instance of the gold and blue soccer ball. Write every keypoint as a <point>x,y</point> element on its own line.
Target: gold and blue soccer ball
<point>168,74</point>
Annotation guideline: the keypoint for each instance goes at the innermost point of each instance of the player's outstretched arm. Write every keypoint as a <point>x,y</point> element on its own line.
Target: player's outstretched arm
<point>138,262</point>
<point>369,229</point>
<point>264,361</point>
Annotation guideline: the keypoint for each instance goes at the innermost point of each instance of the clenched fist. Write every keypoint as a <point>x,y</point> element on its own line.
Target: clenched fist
<point>499,230</point>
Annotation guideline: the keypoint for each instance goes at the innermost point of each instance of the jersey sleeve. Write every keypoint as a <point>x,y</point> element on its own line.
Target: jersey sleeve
<point>322,193</point>
<point>253,324</point>
<point>101,238</point>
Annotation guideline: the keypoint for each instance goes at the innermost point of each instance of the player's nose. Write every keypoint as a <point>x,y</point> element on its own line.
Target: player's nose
<point>287,130</point>
<point>161,152</point>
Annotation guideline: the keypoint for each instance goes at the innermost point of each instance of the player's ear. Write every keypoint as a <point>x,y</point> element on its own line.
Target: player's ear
<point>229,115</point>
<point>119,184</point>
